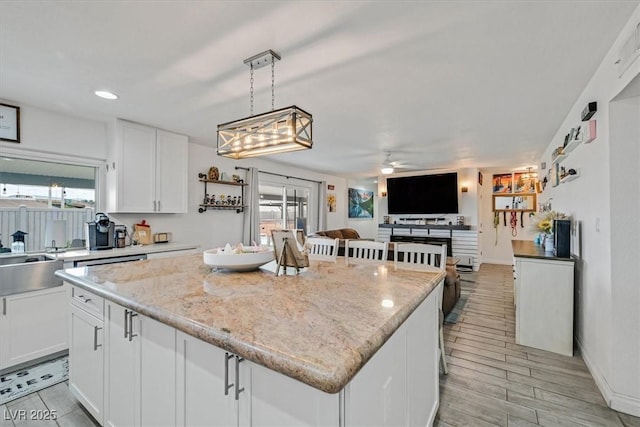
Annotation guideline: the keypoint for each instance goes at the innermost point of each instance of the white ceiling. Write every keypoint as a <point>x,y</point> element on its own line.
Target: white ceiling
<point>440,84</point>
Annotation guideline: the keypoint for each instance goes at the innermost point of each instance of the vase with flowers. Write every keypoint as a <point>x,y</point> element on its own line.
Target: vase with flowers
<point>544,224</point>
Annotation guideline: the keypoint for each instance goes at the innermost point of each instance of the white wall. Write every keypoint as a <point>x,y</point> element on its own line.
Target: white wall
<point>624,149</point>
<point>467,202</point>
<point>498,250</point>
<point>50,135</point>
<point>50,132</point>
<point>606,301</point>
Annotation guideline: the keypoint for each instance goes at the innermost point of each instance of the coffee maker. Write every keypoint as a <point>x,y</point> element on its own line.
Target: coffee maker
<point>99,233</point>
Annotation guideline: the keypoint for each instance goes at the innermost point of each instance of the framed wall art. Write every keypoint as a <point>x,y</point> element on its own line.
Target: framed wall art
<point>360,204</point>
<point>502,183</point>
<point>9,123</point>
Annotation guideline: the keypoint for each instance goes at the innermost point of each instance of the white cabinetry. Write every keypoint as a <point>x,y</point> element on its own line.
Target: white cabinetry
<point>157,376</point>
<point>86,352</point>
<point>204,373</point>
<point>147,170</point>
<point>544,304</point>
<point>32,325</point>
<point>398,386</point>
<point>208,378</point>
<point>140,370</point>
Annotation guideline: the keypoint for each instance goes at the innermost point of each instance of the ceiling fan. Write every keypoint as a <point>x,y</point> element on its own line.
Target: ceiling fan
<point>388,166</point>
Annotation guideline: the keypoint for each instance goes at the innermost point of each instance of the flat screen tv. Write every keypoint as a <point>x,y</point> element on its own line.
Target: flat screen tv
<point>423,194</point>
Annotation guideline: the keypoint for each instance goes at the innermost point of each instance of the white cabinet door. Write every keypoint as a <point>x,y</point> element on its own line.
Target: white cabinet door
<point>86,361</point>
<point>544,312</point>
<point>32,325</point>
<point>277,400</point>
<point>120,378</point>
<point>377,395</point>
<point>172,164</point>
<point>140,370</point>
<point>156,369</point>
<point>135,167</point>
<point>148,171</point>
<point>201,384</point>
<point>423,362</point>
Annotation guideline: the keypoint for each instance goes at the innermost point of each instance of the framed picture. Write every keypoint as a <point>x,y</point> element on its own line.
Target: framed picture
<point>331,202</point>
<point>524,182</point>
<point>502,183</point>
<point>360,204</point>
<point>9,123</point>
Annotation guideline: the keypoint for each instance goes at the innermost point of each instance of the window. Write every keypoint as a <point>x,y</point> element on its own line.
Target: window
<point>286,206</point>
<point>34,192</point>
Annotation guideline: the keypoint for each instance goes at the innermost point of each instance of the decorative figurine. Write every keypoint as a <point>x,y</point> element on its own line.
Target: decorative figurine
<point>213,174</point>
<point>239,200</point>
<point>235,178</point>
<point>221,200</point>
<point>206,200</point>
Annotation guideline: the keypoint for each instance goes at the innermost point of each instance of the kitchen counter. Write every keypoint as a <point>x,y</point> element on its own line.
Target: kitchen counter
<point>528,249</point>
<point>85,254</point>
<point>319,327</point>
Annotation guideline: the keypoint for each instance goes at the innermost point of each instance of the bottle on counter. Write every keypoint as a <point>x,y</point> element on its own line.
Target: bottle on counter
<point>18,242</point>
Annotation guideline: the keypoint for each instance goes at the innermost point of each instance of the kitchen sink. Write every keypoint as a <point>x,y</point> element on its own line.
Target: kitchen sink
<point>28,272</point>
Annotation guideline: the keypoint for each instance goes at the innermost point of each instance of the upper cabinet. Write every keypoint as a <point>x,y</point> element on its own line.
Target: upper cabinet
<point>147,170</point>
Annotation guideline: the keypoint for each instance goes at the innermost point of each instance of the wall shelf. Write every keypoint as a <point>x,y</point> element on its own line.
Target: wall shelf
<point>569,178</point>
<point>227,205</point>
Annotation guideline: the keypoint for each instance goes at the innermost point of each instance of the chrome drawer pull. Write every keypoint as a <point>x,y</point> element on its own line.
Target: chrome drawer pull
<point>227,386</point>
<point>238,389</point>
<point>131,334</point>
<point>95,338</point>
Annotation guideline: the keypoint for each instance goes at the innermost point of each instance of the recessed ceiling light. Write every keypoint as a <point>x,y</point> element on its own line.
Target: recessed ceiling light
<point>106,94</point>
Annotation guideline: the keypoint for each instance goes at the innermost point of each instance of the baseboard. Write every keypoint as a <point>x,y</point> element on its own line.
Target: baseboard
<point>495,261</point>
<point>618,402</point>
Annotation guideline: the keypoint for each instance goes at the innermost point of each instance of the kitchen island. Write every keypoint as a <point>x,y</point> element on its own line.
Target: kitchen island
<point>313,348</point>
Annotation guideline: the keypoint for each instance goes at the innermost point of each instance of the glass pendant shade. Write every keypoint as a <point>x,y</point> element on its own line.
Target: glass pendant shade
<point>277,131</point>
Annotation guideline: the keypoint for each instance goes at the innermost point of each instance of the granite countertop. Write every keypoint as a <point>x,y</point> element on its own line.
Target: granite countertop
<point>319,327</point>
<point>528,249</point>
<point>85,254</point>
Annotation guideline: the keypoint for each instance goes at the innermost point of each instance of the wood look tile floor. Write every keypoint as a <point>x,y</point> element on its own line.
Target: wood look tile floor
<point>492,381</point>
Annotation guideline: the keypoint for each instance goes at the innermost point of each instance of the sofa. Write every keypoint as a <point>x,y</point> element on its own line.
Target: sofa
<point>341,233</point>
<point>451,292</point>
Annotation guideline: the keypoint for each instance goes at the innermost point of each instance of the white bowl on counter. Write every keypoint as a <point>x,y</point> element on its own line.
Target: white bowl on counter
<point>237,262</point>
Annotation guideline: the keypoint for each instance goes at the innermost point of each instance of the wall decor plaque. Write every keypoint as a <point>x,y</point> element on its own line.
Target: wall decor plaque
<point>9,123</point>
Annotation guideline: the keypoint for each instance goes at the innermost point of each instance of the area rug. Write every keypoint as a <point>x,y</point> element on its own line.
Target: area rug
<point>28,380</point>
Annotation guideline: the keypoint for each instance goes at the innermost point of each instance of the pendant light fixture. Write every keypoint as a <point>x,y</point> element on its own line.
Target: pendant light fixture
<point>276,131</point>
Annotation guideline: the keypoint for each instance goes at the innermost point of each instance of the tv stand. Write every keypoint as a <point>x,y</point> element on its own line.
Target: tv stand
<point>461,240</point>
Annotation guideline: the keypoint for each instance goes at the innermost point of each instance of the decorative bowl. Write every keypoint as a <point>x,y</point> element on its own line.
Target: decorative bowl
<point>246,261</point>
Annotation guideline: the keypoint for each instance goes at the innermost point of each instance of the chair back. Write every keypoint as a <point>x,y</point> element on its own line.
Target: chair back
<point>420,256</point>
<point>322,249</point>
<point>356,251</point>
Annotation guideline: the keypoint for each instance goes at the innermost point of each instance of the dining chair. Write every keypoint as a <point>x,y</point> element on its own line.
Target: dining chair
<point>322,249</point>
<point>425,257</point>
<point>357,251</point>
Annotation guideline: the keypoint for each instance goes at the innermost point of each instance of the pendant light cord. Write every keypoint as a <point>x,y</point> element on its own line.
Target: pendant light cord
<point>251,90</point>
<point>273,82</point>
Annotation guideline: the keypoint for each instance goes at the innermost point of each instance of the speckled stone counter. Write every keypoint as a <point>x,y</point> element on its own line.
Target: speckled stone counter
<point>319,327</point>
<point>528,249</point>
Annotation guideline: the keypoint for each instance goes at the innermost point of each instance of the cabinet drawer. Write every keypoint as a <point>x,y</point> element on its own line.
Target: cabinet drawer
<point>87,301</point>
